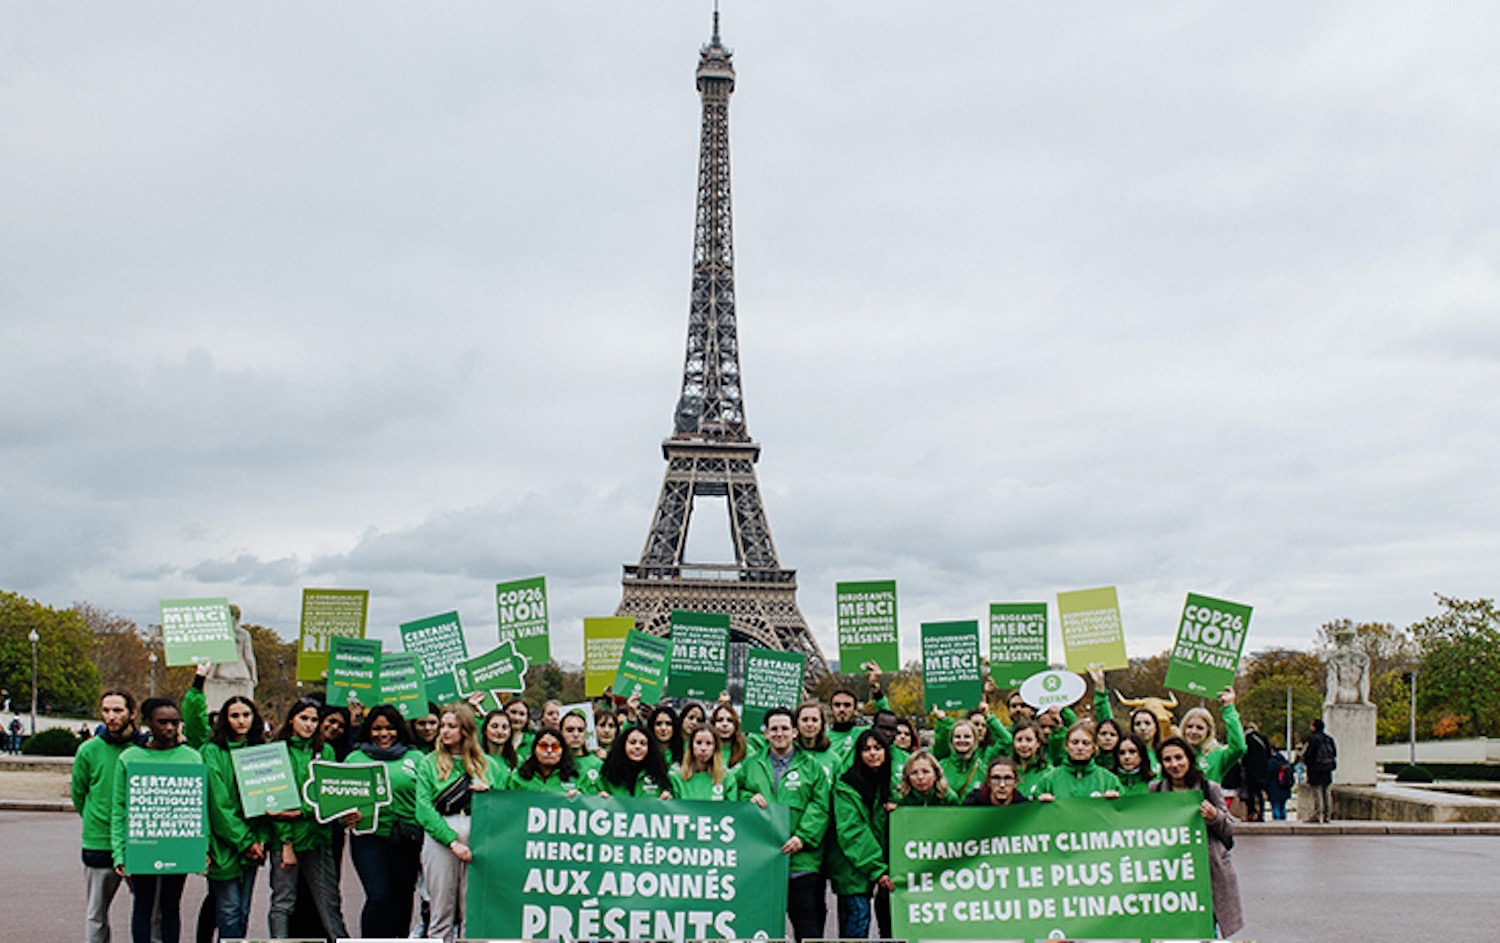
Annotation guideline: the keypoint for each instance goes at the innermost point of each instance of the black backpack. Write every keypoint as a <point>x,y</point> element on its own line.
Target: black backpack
<point>1321,754</point>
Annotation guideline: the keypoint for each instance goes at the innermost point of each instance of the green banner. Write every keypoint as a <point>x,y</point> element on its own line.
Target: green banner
<point>603,644</point>
<point>166,818</point>
<point>867,625</point>
<point>197,631</point>
<point>1210,638</point>
<point>353,666</point>
<point>439,644</point>
<point>263,775</point>
<point>327,614</point>
<point>1133,868</point>
<point>1092,633</point>
<point>772,679</point>
<point>643,666</point>
<point>521,606</point>
<point>333,789</point>
<point>1018,642</point>
<point>401,685</point>
<point>700,655</point>
<point>551,868</point>
<point>501,668</point>
<point>952,678</point>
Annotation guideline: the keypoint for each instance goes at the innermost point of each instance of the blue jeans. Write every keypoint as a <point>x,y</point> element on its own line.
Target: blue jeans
<point>147,893</point>
<point>232,904</point>
<point>854,916</point>
<point>388,872</point>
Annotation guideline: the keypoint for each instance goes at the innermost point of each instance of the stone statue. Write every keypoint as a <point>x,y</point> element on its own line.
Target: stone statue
<point>1348,672</point>
<point>226,679</point>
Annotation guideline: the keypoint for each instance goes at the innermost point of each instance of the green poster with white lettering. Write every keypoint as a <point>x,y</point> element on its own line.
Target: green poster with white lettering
<point>401,684</point>
<point>867,625</point>
<point>439,644</point>
<point>333,789</point>
<point>644,663</point>
<point>1092,632</point>
<point>1133,868</point>
<point>1210,638</point>
<point>197,631</point>
<point>166,818</point>
<point>327,614</point>
<point>263,775</point>
<point>700,655</point>
<point>603,643</point>
<point>1018,642</point>
<point>501,668</point>
<point>772,679</point>
<point>951,674</point>
<point>521,607</point>
<point>353,664</point>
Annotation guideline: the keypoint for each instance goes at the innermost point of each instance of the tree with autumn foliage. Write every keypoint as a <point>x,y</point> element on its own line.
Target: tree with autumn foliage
<point>1459,677</point>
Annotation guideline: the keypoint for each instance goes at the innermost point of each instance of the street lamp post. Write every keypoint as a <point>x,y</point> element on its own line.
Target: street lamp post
<point>152,657</point>
<point>1411,680</point>
<point>1288,721</point>
<point>33,638</point>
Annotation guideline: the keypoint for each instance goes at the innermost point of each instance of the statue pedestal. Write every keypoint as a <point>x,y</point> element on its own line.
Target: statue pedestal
<point>1352,727</point>
<point>216,692</point>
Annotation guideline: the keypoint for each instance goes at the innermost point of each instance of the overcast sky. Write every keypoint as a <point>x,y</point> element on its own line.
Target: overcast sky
<point>1032,298</point>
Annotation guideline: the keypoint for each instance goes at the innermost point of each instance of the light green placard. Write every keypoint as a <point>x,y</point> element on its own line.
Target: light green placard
<point>333,789</point>
<point>197,631</point>
<point>326,614</point>
<point>772,679</point>
<point>951,674</point>
<point>1092,633</point>
<point>521,606</point>
<point>263,775</point>
<point>401,684</point>
<point>1210,638</point>
<point>439,644</point>
<point>700,655</point>
<point>1133,868</point>
<point>643,666</point>
<point>353,666</point>
<point>1018,642</point>
<point>166,818</point>
<point>867,625</point>
<point>603,644</point>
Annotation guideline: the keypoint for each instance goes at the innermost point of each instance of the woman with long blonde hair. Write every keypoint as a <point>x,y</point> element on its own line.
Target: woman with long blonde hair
<point>703,774</point>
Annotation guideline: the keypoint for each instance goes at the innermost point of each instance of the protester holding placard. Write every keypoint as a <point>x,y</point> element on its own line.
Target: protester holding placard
<point>92,788</point>
<point>236,844</point>
<point>575,736</point>
<point>923,783</point>
<point>1181,771</point>
<point>305,845</point>
<point>1215,758</point>
<point>1133,766</point>
<point>388,859</point>
<point>635,767</point>
<point>732,742</point>
<point>1079,777</point>
<point>859,860</point>
<point>497,738</point>
<point>702,774</point>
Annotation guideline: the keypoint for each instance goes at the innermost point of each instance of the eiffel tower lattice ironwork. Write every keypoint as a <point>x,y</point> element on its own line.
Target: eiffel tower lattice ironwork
<point>710,453</point>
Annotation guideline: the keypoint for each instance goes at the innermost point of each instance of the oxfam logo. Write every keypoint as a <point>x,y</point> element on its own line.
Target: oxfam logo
<point>1051,683</point>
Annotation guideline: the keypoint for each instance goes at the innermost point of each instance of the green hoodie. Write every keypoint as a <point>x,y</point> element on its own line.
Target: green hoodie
<point>230,833</point>
<point>702,786</point>
<point>922,799</point>
<point>1215,763</point>
<point>804,790</point>
<point>402,772</point>
<point>1074,780</point>
<point>131,755</point>
<point>861,852</point>
<point>998,743</point>
<point>430,785</point>
<point>1030,773</point>
<point>1133,782</point>
<point>93,787</point>
<point>306,832</point>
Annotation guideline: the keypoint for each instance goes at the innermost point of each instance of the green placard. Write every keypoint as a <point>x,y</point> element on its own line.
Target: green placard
<point>603,644</point>
<point>521,607</point>
<point>643,666</point>
<point>327,614</point>
<point>353,666</point>
<point>867,625</point>
<point>1018,641</point>
<point>619,881</point>
<point>263,775</point>
<point>501,668</point>
<point>401,684</point>
<point>772,679</point>
<point>700,655</point>
<point>1210,638</point>
<point>333,789</point>
<point>1092,633</point>
<point>166,818</point>
<point>952,677</point>
<point>1134,868</point>
<point>197,631</point>
<point>439,644</point>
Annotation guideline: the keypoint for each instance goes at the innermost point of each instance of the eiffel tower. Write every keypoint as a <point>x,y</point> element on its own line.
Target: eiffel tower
<point>710,454</point>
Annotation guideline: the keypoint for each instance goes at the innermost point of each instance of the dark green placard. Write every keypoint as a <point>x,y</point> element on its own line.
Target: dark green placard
<point>333,789</point>
<point>867,625</point>
<point>1210,638</point>
<point>439,644</point>
<point>353,667</point>
<point>772,679</point>
<point>700,655</point>
<point>1018,642</point>
<point>643,666</point>
<point>1133,868</point>
<point>197,631</point>
<point>521,608</point>
<point>501,668</point>
<point>401,684</point>
<point>951,673</point>
<point>326,614</point>
<point>619,882</point>
<point>166,818</point>
<point>263,775</point>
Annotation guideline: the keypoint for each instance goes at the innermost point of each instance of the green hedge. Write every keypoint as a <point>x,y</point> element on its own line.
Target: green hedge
<point>54,741</point>
<point>1473,772</point>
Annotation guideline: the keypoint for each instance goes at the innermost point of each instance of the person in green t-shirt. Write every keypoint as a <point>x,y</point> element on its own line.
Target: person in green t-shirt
<point>1132,765</point>
<point>575,736</point>
<point>923,783</point>
<point>388,859</point>
<point>304,846</point>
<point>92,790</point>
<point>497,739</point>
<point>236,844</point>
<point>550,767</point>
<point>702,775</point>
<point>1078,776</point>
<point>634,767</point>
<point>733,745</point>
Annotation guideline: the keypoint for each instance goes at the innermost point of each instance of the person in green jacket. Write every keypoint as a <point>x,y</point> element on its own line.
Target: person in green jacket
<point>812,737</point>
<point>1131,766</point>
<point>859,857</point>
<point>304,846</point>
<point>924,784</point>
<point>93,783</point>
<point>1031,760</point>
<point>388,859</point>
<point>161,893</point>
<point>1078,776</point>
<point>634,767</point>
<point>1215,758</point>
<point>236,844</point>
<point>424,729</point>
<point>784,776</point>
<point>497,738</point>
<point>702,774</point>
<point>575,736</point>
<point>733,745</point>
<point>550,767</point>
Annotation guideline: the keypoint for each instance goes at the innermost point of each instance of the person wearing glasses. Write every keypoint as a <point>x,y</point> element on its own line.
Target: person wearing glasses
<point>550,768</point>
<point>999,786</point>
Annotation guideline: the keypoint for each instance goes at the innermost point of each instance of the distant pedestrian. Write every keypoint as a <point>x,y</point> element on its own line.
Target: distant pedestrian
<point>16,728</point>
<point>1320,756</point>
<point>1279,780</point>
<point>1255,764</point>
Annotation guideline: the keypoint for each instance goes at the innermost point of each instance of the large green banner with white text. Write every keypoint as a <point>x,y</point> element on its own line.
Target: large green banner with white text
<point>1210,638</point>
<point>1134,868</point>
<point>867,625</point>
<point>548,868</point>
<point>700,655</point>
